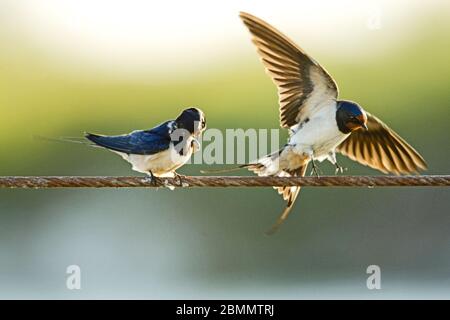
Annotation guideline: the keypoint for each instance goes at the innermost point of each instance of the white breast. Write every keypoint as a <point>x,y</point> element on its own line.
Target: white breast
<point>161,164</point>
<point>320,135</point>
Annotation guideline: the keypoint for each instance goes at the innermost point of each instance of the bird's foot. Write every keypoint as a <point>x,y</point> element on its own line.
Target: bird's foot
<point>179,177</point>
<point>339,169</point>
<point>315,169</point>
<point>151,178</point>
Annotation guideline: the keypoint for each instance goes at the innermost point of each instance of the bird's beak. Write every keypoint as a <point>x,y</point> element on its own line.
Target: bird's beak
<point>364,126</point>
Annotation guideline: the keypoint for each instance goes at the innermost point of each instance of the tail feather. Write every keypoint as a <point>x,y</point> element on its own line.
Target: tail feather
<point>290,195</point>
<point>79,140</point>
<point>270,166</point>
<point>102,141</point>
<point>266,166</point>
<point>225,170</point>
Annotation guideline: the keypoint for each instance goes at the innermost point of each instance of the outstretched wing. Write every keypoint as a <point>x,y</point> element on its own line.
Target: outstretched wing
<point>145,142</point>
<point>303,85</point>
<point>381,148</point>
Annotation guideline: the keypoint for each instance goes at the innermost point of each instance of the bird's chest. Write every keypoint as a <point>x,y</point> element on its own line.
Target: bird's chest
<point>162,163</point>
<point>318,137</point>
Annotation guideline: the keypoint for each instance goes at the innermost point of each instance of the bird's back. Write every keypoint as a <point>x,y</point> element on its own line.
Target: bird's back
<point>144,142</point>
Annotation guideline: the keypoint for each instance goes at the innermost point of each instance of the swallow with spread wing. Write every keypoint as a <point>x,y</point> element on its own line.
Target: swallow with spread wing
<point>319,123</point>
<point>161,150</point>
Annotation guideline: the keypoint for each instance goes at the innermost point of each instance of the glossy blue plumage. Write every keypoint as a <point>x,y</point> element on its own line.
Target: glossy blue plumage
<point>351,108</point>
<point>144,142</point>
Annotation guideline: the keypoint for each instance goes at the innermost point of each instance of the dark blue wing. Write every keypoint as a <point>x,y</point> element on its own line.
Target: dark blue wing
<point>138,142</point>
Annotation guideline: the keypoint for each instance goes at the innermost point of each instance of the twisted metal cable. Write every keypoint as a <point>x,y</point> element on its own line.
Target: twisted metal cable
<point>25,182</point>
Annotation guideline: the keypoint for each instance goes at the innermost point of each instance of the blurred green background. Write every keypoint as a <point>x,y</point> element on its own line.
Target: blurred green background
<point>209,243</point>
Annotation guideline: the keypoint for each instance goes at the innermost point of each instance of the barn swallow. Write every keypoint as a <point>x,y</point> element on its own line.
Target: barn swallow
<point>319,124</point>
<point>161,150</point>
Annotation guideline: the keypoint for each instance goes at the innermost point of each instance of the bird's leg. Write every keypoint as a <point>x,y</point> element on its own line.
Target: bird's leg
<point>315,168</point>
<point>338,168</point>
<point>151,178</point>
<point>332,159</point>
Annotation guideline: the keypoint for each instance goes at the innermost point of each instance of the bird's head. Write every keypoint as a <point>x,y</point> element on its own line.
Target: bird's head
<point>350,117</point>
<point>192,120</point>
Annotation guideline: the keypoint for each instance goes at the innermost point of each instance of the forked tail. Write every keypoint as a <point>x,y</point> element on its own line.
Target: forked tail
<point>79,140</point>
<point>270,166</point>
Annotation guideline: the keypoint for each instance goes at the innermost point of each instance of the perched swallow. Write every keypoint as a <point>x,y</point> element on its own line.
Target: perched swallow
<point>158,152</point>
<point>319,123</point>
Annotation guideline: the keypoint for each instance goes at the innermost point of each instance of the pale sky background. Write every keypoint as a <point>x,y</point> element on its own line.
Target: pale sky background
<point>131,37</point>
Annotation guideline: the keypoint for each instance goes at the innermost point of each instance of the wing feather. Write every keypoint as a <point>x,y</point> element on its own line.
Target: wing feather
<point>302,83</point>
<point>381,148</point>
<point>145,142</point>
